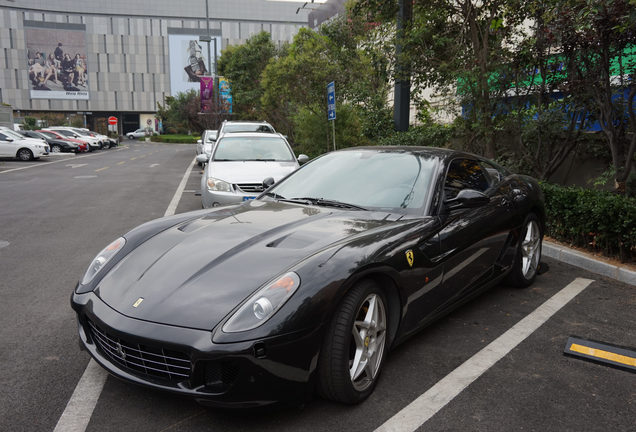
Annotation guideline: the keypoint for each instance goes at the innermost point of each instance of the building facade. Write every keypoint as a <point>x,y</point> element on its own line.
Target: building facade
<point>98,58</point>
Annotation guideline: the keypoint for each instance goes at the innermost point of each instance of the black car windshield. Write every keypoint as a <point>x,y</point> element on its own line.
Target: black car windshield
<point>262,148</point>
<point>247,127</point>
<point>371,179</point>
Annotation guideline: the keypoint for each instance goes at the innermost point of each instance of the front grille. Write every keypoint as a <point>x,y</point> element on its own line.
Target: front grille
<point>141,359</point>
<point>251,187</point>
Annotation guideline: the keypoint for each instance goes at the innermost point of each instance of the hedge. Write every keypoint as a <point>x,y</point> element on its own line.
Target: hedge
<point>175,139</point>
<point>595,220</point>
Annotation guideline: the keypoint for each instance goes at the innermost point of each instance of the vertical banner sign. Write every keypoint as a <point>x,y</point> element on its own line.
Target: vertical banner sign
<point>225,94</point>
<point>206,93</point>
<point>331,109</point>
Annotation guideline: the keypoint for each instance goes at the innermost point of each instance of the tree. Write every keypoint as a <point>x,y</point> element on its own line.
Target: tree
<point>243,65</point>
<point>183,112</point>
<point>598,39</point>
<point>457,46</point>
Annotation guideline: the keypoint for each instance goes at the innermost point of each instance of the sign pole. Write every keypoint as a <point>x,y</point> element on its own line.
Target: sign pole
<point>333,133</point>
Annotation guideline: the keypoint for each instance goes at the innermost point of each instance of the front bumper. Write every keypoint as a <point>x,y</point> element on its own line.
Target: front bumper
<point>242,374</point>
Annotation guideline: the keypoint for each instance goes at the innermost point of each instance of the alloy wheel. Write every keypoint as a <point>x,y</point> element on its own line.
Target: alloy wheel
<point>531,250</point>
<point>367,344</point>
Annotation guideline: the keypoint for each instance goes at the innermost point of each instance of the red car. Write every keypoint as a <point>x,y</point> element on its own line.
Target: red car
<point>82,146</point>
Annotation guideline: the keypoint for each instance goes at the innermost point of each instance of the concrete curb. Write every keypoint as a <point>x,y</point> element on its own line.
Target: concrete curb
<point>584,261</point>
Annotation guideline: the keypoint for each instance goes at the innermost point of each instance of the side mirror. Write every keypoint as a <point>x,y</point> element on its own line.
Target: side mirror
<point>202,158</point>
<point>269,181</point>
<point>7,139</point>
<point>303,158</point>
<point>199,142</point>
<point>467,198</point>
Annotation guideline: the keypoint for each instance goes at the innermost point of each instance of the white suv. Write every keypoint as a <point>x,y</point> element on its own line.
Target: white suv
<point>12,144</point>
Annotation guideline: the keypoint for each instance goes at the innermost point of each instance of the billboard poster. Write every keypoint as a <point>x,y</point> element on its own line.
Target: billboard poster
<point>56,60</point>
<point>189,61</point>
<point>207,93</point>
<point>225,93</point>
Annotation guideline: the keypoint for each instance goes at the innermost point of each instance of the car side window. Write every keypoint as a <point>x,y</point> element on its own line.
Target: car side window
<point>3,137</point>
<point>465,174</point>
<point>492,172</point>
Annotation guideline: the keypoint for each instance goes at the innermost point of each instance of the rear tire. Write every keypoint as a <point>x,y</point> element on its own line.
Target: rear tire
<point>528,256</point>
<point>355,345</point>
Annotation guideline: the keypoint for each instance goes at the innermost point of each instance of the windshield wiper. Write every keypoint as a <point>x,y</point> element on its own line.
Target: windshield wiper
<point>325,203</point>
<point>275,196</point>
<point>260,160</point>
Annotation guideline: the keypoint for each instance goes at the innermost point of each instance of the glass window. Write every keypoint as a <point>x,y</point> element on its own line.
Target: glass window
<point>252,148</point>
<point>247,127</point>
<point>491,171</point>
<point>372,179</point>
<point>464,174</point>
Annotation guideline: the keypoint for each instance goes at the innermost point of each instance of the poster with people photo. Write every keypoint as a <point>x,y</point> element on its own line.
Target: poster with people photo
<point>57,64</point>
<point>189,61</point>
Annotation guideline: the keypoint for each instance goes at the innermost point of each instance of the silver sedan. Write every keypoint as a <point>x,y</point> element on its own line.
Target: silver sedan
<point>240,162</point>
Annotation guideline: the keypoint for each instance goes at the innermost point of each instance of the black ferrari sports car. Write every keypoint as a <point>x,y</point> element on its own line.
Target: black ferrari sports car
<point>307,287</point>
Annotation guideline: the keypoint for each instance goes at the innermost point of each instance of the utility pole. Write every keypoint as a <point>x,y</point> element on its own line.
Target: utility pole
<point>402,90</point>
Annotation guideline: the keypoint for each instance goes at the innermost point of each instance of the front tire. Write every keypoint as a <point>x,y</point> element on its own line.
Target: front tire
<point>528,256</point>
<point>355,345</point>
<point>25,154</point>
<point>56,148</point>
<point>130,137</point>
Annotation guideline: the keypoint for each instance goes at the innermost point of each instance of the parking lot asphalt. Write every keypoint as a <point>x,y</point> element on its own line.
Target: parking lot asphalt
<point>56,216</point>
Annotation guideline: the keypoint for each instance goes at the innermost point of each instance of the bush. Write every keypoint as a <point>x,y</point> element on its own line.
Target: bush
<point>175,139</point>
<point>431,135</point>
<point>595,220</point>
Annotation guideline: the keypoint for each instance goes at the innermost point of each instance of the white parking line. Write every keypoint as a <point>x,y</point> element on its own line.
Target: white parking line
<point>58,161</point>
<point>428,404</point>
<point>80,407</point>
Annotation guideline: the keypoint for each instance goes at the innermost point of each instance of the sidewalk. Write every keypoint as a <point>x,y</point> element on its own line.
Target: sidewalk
<point>588,262</point>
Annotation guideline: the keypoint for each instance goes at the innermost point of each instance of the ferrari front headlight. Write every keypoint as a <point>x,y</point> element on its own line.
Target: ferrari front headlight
<point>263,304</point>
<point>102,258</point>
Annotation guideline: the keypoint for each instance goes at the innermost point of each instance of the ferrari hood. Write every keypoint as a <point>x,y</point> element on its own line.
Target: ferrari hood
<point>194,274</point>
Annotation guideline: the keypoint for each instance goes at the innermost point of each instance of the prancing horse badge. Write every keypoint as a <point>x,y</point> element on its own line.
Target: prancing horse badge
<point>409,257</point>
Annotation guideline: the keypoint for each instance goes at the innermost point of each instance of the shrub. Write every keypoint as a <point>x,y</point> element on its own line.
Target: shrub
<point>431,135</point>
<point>175,139</point>
<point>595,220</point>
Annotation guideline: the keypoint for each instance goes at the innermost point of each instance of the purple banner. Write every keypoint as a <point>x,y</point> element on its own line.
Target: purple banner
<point>207,93</point>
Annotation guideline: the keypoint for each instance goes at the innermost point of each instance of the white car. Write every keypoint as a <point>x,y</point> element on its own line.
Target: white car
<point>139,133</point>
<point>205,144</point>
<point>71,132</point>
<point>12,144</point>
<point>240,163</point>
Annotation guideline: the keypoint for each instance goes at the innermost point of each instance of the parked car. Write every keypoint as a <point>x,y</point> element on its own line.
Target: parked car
<point>240,162</point>
<point>105,140</point>
<point>56,145</point>
<point>231,126</point>
<point>82,146</point>
<point>205,144</point>
<point>312,283</point>
<point>139,133</point>
<point>93,143</point>
<point>12,144</point>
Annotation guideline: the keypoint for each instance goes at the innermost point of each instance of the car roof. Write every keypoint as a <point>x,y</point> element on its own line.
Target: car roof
<point>440,152</point>
<point>251,135</point>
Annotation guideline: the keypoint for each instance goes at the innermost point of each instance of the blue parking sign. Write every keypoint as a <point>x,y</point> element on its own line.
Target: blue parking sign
<point>331,101</point>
